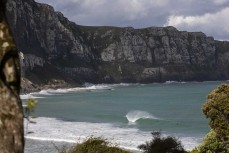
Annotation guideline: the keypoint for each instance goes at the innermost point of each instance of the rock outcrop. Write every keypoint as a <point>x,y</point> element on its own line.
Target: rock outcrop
<point>53,47</point>
<point>11,113</point>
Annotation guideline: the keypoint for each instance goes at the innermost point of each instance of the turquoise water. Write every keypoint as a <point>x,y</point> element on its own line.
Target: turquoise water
<point>123,112</point>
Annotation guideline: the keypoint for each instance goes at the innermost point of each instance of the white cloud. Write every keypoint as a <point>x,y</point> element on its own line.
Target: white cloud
<point>220,2</point>
<point>215,24</point>
<point>209,16</point>
<point>106,10</point>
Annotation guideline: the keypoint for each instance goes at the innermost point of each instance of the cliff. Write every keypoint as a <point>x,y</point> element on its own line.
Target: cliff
<point>54,49</point>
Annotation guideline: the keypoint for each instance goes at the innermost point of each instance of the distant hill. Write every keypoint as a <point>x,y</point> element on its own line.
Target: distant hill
<point>57,52</point>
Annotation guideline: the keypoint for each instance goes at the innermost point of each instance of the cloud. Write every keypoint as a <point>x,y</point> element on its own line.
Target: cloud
<point>209,16</point>
<point>113,13</point>
<point>215,24</point>
<point>220,2</point>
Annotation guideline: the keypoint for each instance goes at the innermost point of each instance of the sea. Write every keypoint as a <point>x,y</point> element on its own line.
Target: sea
<point>124,114</point>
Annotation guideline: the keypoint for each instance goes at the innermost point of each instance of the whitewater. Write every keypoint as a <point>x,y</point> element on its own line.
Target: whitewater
<point>125,114</point>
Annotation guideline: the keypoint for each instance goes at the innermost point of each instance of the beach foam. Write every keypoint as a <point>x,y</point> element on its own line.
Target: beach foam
<point>28,96</point>
<point>172,82</point>
<point>51,129</point>
<point>87,87</point>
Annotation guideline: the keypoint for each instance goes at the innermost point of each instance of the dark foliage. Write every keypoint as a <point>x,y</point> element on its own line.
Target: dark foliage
<point>162,145</point>
<point>93,145</point>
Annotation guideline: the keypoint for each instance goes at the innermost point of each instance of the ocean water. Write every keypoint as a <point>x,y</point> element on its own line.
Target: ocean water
<point>125,114</point>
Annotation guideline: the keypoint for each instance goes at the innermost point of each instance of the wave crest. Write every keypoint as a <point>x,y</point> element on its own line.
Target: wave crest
<point>28,96</point>
<point>135,115</point>
<point>174,82</point>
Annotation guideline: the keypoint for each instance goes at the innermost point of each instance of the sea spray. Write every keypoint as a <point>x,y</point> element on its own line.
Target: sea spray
<point>136,115</point>
<point>87,87</point>
<point>29,96</point>
<point>77,89</point>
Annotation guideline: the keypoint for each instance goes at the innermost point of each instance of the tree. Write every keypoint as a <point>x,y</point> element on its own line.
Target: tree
<point>30,107</point>
<point>216,108</point>
<point>11,116</point>
<point>162,145</point>
<point>212,144</point>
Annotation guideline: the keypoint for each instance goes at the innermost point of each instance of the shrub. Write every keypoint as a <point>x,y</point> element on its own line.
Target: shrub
<point>94,145</point>
<point>216,108</point>
<point>212,144</point>
<point>194,151</point>
<point>162,145</point>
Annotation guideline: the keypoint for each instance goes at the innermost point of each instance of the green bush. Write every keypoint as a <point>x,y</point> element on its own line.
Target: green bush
<point>162,145</point>
<point>212,144</point>
<point>194,151</point>
<point>94,145</point>
<point>216,108</point>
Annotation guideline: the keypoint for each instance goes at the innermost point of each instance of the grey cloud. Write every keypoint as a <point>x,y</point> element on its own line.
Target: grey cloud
<point>216,24</point>
<point>141,13</point>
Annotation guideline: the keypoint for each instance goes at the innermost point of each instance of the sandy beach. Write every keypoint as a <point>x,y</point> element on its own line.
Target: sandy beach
<point>37,146</point>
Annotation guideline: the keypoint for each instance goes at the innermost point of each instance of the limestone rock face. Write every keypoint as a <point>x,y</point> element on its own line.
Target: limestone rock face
<point>161,46</point>
<point>61,49</point>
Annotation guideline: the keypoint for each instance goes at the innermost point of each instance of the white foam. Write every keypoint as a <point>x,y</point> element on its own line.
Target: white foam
<point>135,115</point>
<point>87,87</point>
<point>51,129</point>
<point>28,96</point>
<point>49,139</point>
<point>109,86</point>
<point>73,90</point>
<point>44,92</point>
<point>99,87</point>
<point>173,82</point>
<point>190,143</point>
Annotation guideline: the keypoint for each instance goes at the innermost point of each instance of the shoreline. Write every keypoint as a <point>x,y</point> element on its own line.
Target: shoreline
<point>44,146</point>
<point>29,87</point>
<point>37,146</point>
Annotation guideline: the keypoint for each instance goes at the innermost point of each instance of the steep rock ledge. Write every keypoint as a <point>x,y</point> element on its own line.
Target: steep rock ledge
<point>54,48</point>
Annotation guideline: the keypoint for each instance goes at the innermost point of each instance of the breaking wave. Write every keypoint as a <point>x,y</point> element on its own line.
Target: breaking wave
<point>136,115</point>
<point>28,96</point>
<point>173,82</point>
<point>86,88</point>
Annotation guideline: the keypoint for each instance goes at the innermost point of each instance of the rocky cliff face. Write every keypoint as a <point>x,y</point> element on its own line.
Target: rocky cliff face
<point>53,48</point>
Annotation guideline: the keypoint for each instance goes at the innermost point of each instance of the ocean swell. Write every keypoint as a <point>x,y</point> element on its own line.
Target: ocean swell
<point>135,115</point>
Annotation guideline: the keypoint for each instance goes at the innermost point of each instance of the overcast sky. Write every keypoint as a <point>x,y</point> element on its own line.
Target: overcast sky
<point>208,16</point>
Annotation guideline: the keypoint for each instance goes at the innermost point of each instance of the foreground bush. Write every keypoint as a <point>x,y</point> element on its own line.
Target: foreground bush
<point>94,145</point>
<point>194,151</point>
<point>216,108</point>
<point>162,145</point>
<point>212,144</point>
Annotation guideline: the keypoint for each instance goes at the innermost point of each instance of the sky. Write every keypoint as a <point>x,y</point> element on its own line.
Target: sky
<point>208,16</point>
